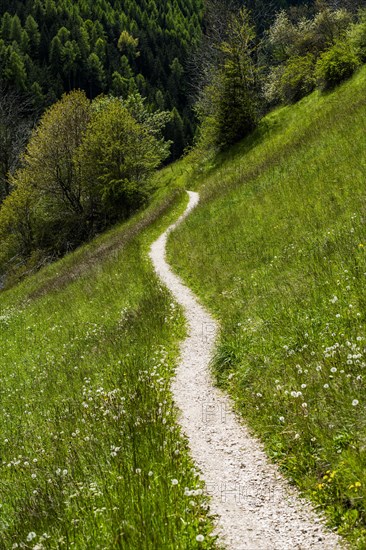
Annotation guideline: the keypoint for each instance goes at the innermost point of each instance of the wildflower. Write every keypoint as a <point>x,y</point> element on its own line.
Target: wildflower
<point>34,476</point>
<point>326,386</point>
<point>200,538</point>
<point>282,419</point>
<point>31,536</point>
<point>175,482</point>
<point>304,405</point>
<point>334,299</point>
<point>138,470</point>
<point>303,386</point>
<point>355,402</point>
<point>318,368</point>
<point>333,369</point>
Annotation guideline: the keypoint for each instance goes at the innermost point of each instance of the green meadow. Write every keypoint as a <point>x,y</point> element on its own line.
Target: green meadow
<point>91,455</point>
<point>276,251</point>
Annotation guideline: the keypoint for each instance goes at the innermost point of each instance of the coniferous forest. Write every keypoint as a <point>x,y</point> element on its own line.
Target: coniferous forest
<point>49,47</point>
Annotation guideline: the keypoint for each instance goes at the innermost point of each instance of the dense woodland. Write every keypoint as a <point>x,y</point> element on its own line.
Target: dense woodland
<point>74,162</point>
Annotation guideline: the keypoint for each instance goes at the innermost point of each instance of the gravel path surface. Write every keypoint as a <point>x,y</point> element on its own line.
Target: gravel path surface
<point>256,508</point>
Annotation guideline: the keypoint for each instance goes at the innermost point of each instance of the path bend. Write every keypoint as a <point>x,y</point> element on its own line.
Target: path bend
<point>255,507</point>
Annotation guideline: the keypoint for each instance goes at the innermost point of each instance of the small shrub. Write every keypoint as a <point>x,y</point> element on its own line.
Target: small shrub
<point>336,65</point>
<point>298,78</point>
<point>272,85</point>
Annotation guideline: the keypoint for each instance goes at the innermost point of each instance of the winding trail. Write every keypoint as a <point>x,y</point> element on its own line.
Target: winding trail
<point>255,507</point>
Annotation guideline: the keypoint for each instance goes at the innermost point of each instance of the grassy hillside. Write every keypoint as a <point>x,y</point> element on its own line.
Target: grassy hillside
<point>91,455</point>
<point>277,252</point>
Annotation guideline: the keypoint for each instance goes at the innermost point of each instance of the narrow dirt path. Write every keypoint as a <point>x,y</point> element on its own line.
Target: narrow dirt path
<point>256,508</point>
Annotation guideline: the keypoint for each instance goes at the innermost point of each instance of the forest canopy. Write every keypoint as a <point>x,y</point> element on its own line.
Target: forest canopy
<point>48,48</point>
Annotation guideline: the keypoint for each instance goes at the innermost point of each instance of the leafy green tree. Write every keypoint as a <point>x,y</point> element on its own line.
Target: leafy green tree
<point>49,166</point>
<point>117,156</point>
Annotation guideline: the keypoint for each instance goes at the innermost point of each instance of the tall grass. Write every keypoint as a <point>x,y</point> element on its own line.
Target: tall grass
<point>91,456</point>
<point>277,252</point>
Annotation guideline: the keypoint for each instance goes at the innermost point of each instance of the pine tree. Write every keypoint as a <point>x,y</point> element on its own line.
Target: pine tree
<point>34,35</point>
<point>15,72</point>
<point>6,24</point>
<point>175,133</point>
<point>96,74</point>
<point>236,107</point>
<point>16,30</point>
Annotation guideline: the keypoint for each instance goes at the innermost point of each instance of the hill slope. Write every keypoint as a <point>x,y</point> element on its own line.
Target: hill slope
<point>277,253</point>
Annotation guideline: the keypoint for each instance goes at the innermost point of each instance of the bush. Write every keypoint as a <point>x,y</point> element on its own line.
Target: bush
<point>297,79</point>
<point>357,37</point>
<point>271,85</point>
<point>336,65</point>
